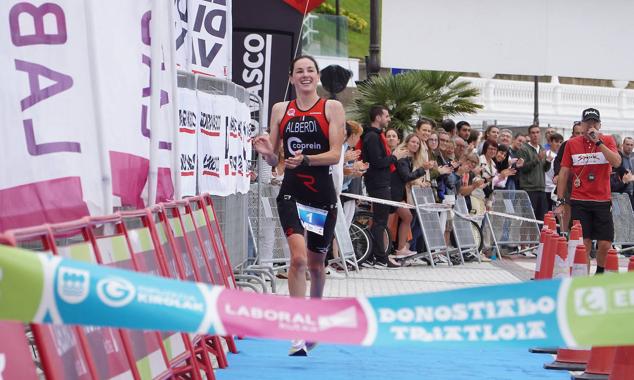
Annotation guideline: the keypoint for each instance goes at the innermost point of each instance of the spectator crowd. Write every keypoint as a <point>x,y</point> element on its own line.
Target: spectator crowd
<point>452,159</point>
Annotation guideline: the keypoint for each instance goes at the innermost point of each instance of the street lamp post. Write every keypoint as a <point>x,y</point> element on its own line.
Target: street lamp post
<point>536,102</point>
<point>374,61</point>
<point>338,13</point>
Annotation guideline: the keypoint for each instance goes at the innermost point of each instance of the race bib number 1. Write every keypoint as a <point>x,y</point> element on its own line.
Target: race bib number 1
<point>313,219</point>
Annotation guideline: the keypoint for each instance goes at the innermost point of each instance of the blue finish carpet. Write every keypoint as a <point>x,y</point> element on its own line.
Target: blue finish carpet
<point>267,359</point>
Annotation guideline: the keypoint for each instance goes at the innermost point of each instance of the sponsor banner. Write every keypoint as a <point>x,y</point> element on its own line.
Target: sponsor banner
<point>260,64</point>
<point>125,105</point>
<point>202,30</point>
<point>188,119</point>
<point>335,321</point>
<point>74,292</point>
<point>584,311</point>
<point>15,357</point>
<point>238,135</point>
<point>96,152</point>
<point>215,113</point>
<point>44,69</point>
<point>245,148</point>
<point>163,109</point>
<point>181,35</point>
<point>512,314</point>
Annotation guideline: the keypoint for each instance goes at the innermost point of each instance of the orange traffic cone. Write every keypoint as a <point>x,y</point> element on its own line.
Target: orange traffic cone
<point>548,257</point>
<point>580,264</point>
<point>623,367</point>
<point>612,262</point>
<point>560,269</point>
<point>574,240</point>
<point>599,364</point>
<point>540,250</point>
<point>568,359</point>
<point>602,358</point>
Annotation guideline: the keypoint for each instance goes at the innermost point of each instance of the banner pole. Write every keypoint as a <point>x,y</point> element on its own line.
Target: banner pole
<point>104,158</point>
<point>155,100</point>
<point>174,86</point>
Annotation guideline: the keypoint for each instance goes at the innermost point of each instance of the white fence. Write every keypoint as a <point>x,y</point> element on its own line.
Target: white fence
<point>509,102</point>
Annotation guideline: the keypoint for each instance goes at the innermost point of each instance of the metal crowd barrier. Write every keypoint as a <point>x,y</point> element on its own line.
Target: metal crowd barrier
<point>463,229</point>
<point>344,242</point>
<point>232,215</point>
<point>433,232</point>
<point>623,218</point>
<point>506,231</point>
<point>271,248</point>
<point>232,209</point>
<point>165,240</point>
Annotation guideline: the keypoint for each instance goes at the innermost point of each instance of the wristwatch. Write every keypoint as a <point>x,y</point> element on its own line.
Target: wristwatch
<point>598,143</point>
<point>305,161</point>
<point>559,202</point>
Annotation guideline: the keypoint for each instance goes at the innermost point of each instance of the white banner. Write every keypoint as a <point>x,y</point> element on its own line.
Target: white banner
<point>206,43</point>
<point>163,113</point>
<point>244,115</point>
<point>188,117</point>
<point>181,36</point>
<point>213,144</point>
<point>138,141</point>
<point>51,154</point>
<point>122,64</point>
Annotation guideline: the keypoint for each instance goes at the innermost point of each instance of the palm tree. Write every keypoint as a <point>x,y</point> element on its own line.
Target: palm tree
<point>415,94</point>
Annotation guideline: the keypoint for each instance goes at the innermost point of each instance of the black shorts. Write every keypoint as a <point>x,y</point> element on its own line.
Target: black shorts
<point>595,217</point>
<point>289,218</point>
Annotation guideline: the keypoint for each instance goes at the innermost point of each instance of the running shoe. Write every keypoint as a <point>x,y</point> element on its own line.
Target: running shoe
<point>440,259</point>
<point>311,345</point>
<point>484,258</point>
<point>389,264</point>
<point>298,348</point>
<point>403,253</point>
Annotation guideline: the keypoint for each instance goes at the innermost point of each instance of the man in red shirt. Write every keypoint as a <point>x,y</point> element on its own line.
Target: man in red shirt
<point>589,159</point>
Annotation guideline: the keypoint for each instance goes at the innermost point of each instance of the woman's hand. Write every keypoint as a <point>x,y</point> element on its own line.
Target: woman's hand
<point>262,144</point>
<point>507,172</point>
<point>351,155</point>
<point>445,170</point>
<point>428,165</point>
<point>400,153</point>
<point>295,161</point>
<point>359,168</point>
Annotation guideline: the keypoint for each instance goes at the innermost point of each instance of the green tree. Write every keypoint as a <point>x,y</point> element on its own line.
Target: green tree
<point>415,94</point>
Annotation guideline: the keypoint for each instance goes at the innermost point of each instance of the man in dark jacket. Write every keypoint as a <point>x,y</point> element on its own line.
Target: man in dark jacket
<point>377,179</point>
<point>533,172</point>
<point>622,178</point>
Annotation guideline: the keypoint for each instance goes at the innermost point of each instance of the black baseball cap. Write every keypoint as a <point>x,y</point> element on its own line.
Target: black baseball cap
<point>591,114</point>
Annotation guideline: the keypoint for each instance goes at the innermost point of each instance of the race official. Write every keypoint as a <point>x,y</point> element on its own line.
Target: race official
<point>589,160</point>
